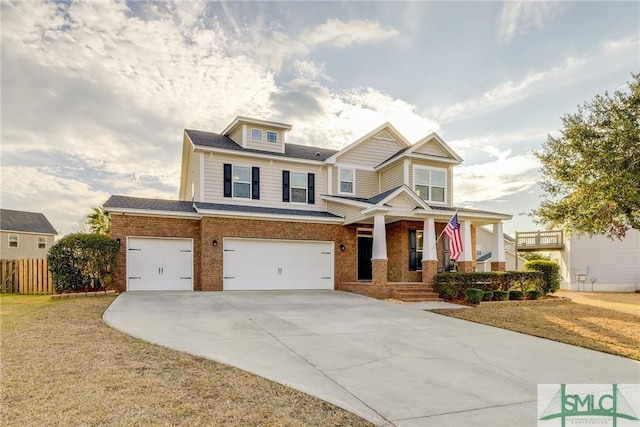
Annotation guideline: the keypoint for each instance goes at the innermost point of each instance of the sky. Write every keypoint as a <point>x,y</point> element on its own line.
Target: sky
<point>95,95</point>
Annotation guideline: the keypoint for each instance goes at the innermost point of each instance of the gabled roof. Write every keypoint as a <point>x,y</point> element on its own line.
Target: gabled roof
<point>295,151</point>
<point>26,222</point>
<point>383,127</point>
<point>452,155</point>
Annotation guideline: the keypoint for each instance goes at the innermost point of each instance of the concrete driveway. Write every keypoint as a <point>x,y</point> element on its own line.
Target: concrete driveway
<point>391,364</point>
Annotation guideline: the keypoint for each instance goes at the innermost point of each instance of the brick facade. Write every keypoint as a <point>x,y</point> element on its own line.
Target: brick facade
<point>208,260</point>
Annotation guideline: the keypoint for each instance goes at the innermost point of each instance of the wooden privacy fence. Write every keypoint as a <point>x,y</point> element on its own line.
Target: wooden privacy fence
<point>25,276</point>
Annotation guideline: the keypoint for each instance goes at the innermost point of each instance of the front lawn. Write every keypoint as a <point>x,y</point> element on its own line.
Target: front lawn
<point>598,321</point>
<point>62,365</point>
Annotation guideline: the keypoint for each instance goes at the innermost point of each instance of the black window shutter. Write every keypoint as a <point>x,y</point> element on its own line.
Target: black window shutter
<point>311,184</point>
<point>227,180</point>
<point>255,183</point>
<point>413,255</point>
<point>285,186</point>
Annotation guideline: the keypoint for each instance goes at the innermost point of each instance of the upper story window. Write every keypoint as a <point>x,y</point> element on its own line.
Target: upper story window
<point>272,136</point>
<point>347,181</point>
<point>242,182</point>
<point>298,187</point>
<point>430,184</point>
<point>256,134</point>
<point>13,240</point>
<point>42,242</point>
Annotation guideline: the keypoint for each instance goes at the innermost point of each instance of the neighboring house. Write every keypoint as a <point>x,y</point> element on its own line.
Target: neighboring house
<point>484,243</point>
<point>25,234</point>
<point>256,212</point>
<point>600,264</point>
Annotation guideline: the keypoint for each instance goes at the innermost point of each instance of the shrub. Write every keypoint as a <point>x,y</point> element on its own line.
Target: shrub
<point>550,274</point>
<point>487,296</point>
<point>474,296</point>
<point>534,294</point>
<point>453,285</point>
<point>500,295</point>
<point>516,295</point>
<point>82,262</point>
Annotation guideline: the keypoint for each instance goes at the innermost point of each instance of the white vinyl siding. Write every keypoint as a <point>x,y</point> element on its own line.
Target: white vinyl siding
<point>270,181</point>
<point>392,177</point>
<point>237,136</point>
<point>370,153</point>
<point>433,149</point>
<point>260,142</point>
<point>367,183</point>
<point>345,211</point>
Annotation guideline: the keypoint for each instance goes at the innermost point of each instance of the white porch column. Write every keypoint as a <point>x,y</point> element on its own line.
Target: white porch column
<point>468,252</point>
<point>497,249</point>
<point>429,252</point>
<point>379,237</point>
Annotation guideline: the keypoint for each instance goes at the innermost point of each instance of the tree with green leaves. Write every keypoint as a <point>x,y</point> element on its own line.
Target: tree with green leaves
<point>591,173</point>
<point>99,221</point>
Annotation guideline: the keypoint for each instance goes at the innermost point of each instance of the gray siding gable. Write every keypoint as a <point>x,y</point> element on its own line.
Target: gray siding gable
<point>27,222</point>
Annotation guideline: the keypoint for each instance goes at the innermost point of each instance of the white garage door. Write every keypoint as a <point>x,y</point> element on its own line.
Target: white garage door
<point>159,264</point>
<point>254,264</point>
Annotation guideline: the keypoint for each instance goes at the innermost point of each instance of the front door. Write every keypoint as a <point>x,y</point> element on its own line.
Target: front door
<point>365,252</point>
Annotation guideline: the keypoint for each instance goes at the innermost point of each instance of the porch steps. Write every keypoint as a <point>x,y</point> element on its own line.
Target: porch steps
<point>413,292</point>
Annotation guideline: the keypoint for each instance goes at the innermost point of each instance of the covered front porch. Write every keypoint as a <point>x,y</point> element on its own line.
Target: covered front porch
<point>400,245</point>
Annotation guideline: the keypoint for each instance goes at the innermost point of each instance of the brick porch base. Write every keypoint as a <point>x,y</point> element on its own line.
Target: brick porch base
<point>403,291</point>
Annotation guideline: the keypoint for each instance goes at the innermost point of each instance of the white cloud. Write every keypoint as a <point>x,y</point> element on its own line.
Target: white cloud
<point>520,17</point>
<point>495,180</point>
<point>496,139</point>
<point>341,34</point>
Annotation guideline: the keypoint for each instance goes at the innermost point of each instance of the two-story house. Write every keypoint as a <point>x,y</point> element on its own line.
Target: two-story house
<point>256,212</point>
<point>25,234</point>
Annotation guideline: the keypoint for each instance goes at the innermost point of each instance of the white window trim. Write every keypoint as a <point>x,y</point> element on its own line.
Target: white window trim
<point>261,134</point>
<point>306,188</point>
<point>430,169</point>
<point>38,242</point>
<point>353,186</point>
<point>17,239</point>
<point>419,252</point>
<point>267,136</point>
<point>233,187</point>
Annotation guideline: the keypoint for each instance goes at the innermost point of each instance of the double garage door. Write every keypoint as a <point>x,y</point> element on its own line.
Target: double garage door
<point>248,264</point>
<point>255,264</point>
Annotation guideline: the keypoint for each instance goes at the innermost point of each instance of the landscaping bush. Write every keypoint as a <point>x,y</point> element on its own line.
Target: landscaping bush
<point>550,274</point>
<point>474,296</point>
<point>487,296</point>
<point>82,262</point>
<point>534,294</point>
<point>452,285</point>
<point>500,295</point>
<point>516,295</point>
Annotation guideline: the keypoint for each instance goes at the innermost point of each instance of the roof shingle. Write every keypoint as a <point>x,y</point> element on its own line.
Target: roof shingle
<point>28,222</point>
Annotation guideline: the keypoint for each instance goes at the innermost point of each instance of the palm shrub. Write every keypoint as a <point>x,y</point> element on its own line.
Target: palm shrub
<point>550,274</point>
<point>82,261</point>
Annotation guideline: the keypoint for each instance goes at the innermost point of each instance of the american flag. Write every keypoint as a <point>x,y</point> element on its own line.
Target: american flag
<point>455,241</point>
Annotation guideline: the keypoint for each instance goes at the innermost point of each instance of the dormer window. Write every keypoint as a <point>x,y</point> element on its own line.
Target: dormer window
<point>272,136</point>
<point>429,184</point>
<point>256,134</point>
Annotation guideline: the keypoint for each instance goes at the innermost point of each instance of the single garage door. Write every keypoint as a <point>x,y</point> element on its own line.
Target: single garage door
<point>256,264</point>
<point>156,264</point>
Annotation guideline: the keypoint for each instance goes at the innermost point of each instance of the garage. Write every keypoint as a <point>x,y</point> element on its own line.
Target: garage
<point>258,264</point>
<point>159,264</point>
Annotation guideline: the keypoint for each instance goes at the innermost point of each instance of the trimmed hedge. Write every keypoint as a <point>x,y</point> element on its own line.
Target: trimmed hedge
<point>82,262</point>
<point>487,296</point>
<point>474,296</point>
<point>535,294</point>
<point>500,295</point>
<point>550,274</point>
<point>453,285</point>
<point>516,295</point>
